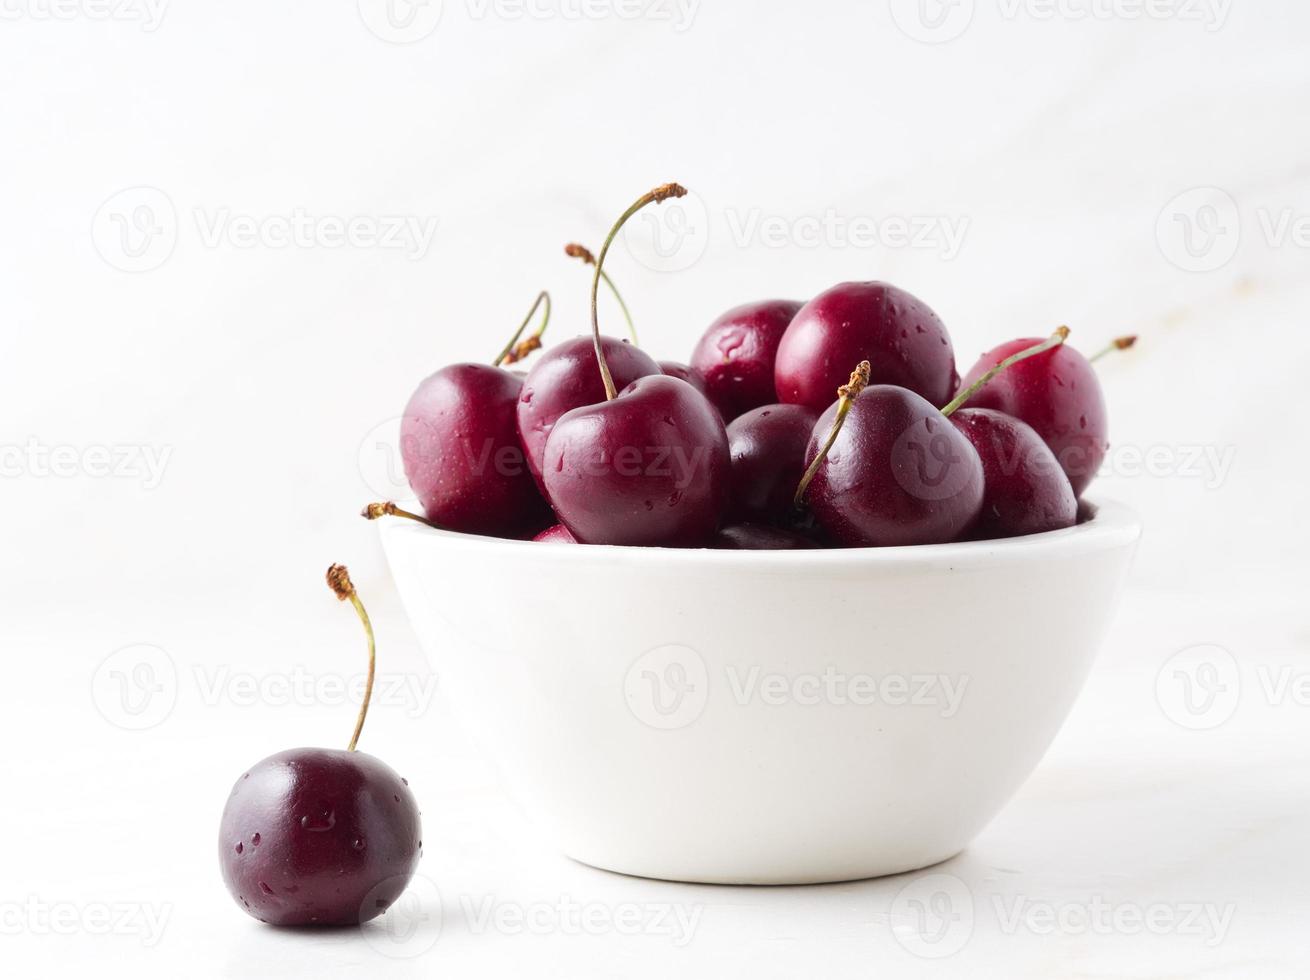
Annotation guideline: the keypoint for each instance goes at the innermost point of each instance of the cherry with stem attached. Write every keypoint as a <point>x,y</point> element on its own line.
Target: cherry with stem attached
<point>460,447</point>
<point>649,465</point>
<point>321,837</point>
<point>1059,395</point>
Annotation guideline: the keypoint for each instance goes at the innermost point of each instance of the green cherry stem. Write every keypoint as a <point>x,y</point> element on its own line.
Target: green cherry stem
<point>338,580</point>
<point>661,193</point>
<point>1055,340</point>
<point>1119,343</point>
<point>577,251</point>
<point>515,351</point>
<point>846,395</point>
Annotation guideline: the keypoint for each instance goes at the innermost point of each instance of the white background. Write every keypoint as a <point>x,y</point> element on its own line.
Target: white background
<point>1066,140</point>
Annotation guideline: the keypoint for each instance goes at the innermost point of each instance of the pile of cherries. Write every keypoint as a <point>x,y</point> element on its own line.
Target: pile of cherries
<point>838,422</point>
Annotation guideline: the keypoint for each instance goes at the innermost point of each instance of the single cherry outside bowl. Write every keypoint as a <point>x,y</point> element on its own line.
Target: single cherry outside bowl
<point>764,717</point>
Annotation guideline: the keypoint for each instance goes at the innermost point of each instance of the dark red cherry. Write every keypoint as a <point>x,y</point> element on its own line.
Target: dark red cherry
<point>760,537</point>
<point>1058,395</point>
<point>901,338</point>
<point>898,472</point>
<point>1024,489</point>
<point>648,467</point>
<point>460,447</point>
<point>767,448</point>
<point>736,355</point>
<point>556,534</point>
<point>320,837</point>
<point>567,377</point>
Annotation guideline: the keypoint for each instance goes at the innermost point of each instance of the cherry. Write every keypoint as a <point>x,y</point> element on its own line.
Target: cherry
<point>460,447</point>
<point>760,537</point>
<point>321,837</point>
<point>647,466</point>
<point>556,534</point>
<point>736,355</point>
<point>1059,396</point>
<point>767,447</point>
<point>901,338</point>
<point>1024,489</point>
<point>567,377</point>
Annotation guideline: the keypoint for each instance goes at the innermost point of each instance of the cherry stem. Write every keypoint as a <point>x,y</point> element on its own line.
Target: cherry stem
<point>373,511</point>
<point>661,193</point>
<point>846,395</point>
<point>1055,340</point>
<point>338,580</point>
<point>515,351</point>
<point>582,252</point>
<point>1119,343</point>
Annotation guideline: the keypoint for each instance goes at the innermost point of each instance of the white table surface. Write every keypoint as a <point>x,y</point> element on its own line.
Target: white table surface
<point>1153,840</point>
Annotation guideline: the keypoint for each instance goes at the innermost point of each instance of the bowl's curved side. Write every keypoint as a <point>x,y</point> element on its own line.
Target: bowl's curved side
<point>761,722</point>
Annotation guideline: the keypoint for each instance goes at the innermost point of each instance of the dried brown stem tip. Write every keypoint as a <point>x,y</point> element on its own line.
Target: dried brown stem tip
<point>666,191</point>
<point>1119,343</point>
<point>859,381</point>
<point>522,349</point>
<point>575,251</point>
<point>338,579</point>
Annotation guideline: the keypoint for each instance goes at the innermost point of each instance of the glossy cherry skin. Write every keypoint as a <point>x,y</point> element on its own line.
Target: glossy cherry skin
<point>649,467</point>
<point>736,355</point>
<point>902,339</point>
<point>898,473</point>
<point>676,369</point>
<point>556,534</point>
<point>319,837</point>
<point>767,447</point>
<point>460,447</point>
<point>1057,393</point>
<point>1024,489</point>
<point>760,537</point>
<point>568,377</point>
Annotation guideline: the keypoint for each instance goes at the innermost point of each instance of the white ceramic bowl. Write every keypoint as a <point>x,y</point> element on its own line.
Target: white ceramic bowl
<point>763,717</point>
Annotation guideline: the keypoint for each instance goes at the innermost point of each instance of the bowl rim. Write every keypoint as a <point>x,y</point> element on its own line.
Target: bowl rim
<point>1111,525</point>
